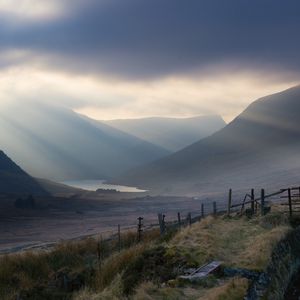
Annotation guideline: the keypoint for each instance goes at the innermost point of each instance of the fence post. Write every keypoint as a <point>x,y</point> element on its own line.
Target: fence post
<point>214,208</point>
<point>290,202</point>
<point>119,237</point>
<point>99,252</point>
<point>262,203</point>
<point>202,210</point>
<point>140,225</point>
<point>189,217</point>
<point>179,219</point>
<point>161,220</point>
<point>229,202</point>
<point>252,201</point>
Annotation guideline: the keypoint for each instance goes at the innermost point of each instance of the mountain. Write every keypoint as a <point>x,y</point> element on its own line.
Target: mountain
<point>260,148</point>
<point>13,180</point>
<point>170,133</point>
<point>56,143</point>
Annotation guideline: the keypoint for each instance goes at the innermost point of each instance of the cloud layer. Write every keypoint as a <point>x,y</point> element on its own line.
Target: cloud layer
<point>139,38</point>
<point>139,42</point>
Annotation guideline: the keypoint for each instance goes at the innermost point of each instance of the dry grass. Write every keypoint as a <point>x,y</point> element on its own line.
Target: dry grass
<point>29,274</point>
<point>112,292</point>
<point>115,265</point>
<point>149,291</point>
<point>235,242</point>
<point>233,289</point>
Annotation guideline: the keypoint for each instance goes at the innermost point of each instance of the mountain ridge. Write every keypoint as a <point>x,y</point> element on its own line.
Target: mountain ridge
<point>14,180</point>
<point>63,145</point>
<point>170,133</point>
<point>261,140</point>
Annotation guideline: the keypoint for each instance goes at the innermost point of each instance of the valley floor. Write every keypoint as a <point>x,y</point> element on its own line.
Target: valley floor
<point>61,218</point>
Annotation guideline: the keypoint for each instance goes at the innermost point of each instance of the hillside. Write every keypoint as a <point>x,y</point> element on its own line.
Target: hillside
<point>13,180</point>
<point>258,254</point>
<point>258,148</point>
<point>64,145</point>
<point>170,133</point>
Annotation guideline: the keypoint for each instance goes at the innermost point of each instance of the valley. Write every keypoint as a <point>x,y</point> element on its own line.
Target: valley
<point>149,150</point>
<point>63,218</point>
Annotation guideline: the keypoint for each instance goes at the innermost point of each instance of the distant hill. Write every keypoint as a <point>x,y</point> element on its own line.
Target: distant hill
<point>13,180</point>
<point>170,133</point>
<point>56,143</point>
<point>260,148</point>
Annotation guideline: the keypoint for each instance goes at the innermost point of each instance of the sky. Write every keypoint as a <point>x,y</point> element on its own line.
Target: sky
<point>113,59</point>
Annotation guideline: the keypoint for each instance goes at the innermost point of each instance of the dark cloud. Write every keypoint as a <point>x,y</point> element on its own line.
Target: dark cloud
<point>141,38</point>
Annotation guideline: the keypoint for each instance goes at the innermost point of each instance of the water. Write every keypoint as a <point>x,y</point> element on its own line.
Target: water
<point>93,185</point>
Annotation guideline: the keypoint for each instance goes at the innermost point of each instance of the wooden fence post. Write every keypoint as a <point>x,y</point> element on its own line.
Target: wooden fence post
<point>229,202</point>
<point>161,220</point>
<point>140,225</point>
<point>290,202</point>
<point>189,217</point>
<point>179,219</point>
<point>252,201</point>
<point>100,252</point>
<point>119,237</point>
<point>262,203</point>
<point>214,208</point>
<point>202,210</point>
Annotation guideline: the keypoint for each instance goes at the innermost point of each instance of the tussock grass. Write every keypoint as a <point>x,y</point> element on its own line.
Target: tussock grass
<point>232,289</point>
<point>113,292</point>
<point>236,242</point>
<point>89,262</point>
<point>116,264</point>
<point>150,291</point>
<point>97,270</point>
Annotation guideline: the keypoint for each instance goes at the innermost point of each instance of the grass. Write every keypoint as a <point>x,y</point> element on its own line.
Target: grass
<point>69,267</point>
<point>91,270</point>
<point>237,242</point>
<point>232,289</point>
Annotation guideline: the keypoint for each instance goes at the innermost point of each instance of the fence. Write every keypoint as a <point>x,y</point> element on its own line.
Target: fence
<point>261,204</point>
<point>249,205</point>
<point>122,236</point>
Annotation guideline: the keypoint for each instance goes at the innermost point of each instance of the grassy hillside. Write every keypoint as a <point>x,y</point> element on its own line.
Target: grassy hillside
<point>91,269</point>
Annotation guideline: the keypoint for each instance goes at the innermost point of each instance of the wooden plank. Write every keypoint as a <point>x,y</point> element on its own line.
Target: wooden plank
<point>203,271</point>
<point>287,197</point>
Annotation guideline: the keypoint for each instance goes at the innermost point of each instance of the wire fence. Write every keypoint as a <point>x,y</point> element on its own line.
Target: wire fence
<point>249,204</point>
<point>123,236</point>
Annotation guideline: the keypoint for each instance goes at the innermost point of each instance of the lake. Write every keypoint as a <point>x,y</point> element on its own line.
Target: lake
<point>93,185</point>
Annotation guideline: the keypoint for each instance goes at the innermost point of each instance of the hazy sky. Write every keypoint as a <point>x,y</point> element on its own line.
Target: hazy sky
<point>135,58</point>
